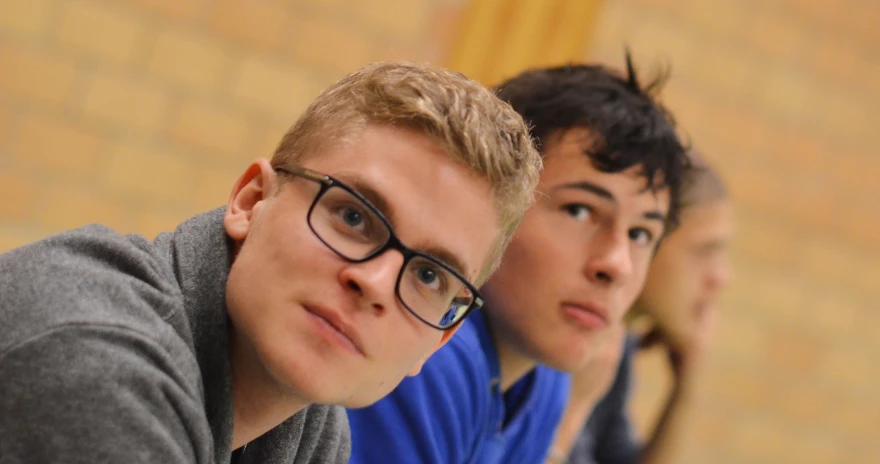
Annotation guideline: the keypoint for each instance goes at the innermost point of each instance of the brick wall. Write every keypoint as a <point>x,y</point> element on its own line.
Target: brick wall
<point>783,96</point>
<point>140,113</point>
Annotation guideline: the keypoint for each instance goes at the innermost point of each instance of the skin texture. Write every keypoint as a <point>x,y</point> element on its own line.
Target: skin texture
<point>577,253</point>
<point>688,273</point>
<point>284,356</point>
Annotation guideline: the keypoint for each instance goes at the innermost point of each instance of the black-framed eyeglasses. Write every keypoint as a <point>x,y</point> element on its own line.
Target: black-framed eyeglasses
<point>357,231</point>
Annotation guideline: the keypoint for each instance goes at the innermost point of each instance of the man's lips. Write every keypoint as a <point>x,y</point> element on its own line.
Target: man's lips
<point>588,315</point>
<point>344,332</point>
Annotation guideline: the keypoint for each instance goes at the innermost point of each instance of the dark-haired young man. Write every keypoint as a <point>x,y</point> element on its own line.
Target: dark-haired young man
<point>609,190</point>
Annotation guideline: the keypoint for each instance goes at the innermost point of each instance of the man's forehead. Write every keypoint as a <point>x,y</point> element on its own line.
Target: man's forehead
<point>577,135</point>
<point>372,191</point>
<point>659,192</point>
<point>631,181</point>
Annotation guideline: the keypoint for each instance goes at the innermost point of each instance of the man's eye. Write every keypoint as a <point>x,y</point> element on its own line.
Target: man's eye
<point>432,277</point>
<point>352,217</point>
<point>641,236</point>
<point>579,211</point>
<point>427,276</point>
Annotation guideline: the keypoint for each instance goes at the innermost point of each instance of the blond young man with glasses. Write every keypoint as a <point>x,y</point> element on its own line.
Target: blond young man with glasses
<point>333,272</point>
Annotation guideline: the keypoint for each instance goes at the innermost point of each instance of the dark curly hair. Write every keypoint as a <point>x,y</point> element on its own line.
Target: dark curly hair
<point>631,127</point>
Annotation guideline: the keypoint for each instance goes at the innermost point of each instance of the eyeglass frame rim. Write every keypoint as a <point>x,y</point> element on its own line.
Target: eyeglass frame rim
<point>327,182</point>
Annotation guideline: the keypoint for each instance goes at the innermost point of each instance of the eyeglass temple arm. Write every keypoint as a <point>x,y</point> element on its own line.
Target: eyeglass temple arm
<point>303,172</point>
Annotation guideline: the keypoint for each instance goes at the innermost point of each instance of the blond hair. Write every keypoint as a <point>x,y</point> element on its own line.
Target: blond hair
<point>464,118</point>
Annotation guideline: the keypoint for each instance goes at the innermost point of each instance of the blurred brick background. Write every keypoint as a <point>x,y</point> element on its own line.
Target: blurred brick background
<point>783,96</point>
<point>140,113</point>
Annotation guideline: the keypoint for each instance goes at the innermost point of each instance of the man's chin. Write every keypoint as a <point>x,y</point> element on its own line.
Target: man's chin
<point>356,403</point>
<point>335,391</point>
<point>566,362</point>
<point>314,394</point>
<point>301,384</point>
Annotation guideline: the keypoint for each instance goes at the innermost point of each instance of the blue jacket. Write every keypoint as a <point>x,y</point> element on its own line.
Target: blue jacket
<point>454,412</point>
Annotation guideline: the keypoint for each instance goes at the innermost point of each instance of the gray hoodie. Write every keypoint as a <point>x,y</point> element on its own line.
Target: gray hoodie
<point>114,349</point>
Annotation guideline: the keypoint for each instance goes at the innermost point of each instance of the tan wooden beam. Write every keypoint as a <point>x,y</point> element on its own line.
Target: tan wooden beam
<point>499,38</point>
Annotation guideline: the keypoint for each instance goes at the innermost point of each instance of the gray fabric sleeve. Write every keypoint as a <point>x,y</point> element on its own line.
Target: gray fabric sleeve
<point>85,393</point>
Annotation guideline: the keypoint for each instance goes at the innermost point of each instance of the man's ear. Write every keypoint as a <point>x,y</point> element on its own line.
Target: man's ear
<point>447,334</point>
<point>256,184</point>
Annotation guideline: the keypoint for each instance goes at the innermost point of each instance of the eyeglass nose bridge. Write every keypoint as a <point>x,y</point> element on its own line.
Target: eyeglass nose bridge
<point>392,243</point>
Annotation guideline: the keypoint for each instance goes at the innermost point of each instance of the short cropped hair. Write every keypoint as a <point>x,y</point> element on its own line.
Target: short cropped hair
<point>702,184</point>
<point>628,124</point>
<point>464,118</point>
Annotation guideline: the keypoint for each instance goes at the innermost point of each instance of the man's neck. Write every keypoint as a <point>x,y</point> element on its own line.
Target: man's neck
<point>513,365</point>
<point>259,403</point>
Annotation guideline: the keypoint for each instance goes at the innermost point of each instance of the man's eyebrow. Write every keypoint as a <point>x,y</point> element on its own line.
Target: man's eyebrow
<point>589,187</point>
<point>374,196</point>
<point>449,258</point>
<point>655,215</point>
